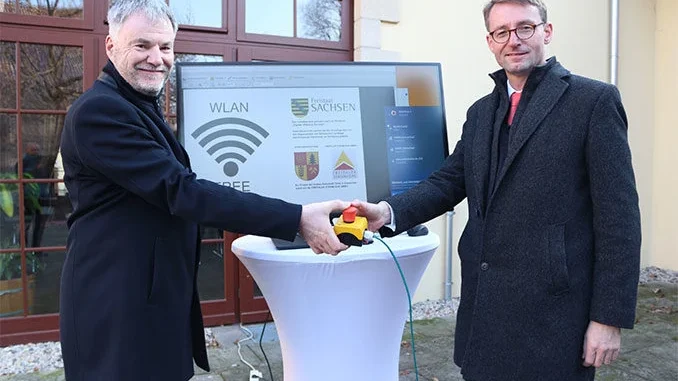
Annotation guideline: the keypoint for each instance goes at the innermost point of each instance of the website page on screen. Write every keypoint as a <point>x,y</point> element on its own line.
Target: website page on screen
<point>308,133</point>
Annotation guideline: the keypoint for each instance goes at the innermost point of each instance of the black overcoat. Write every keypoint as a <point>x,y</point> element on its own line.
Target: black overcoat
<point>129,307</point>
<point>555,243</point>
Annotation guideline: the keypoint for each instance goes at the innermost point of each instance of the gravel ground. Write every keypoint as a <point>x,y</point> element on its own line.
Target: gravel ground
<point>655,274</point>
<point>46,357</point>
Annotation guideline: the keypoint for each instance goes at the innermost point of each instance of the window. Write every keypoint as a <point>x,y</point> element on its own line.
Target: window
<point>50,50</point>
<point>53,8</point>
<point>318,23</point>
<point>313,19</point>
<point>170,98</point>
<point>319,19</point>
<point>207,13</point>
<point>60,13</point>
<point>272,18</point>
<point>34,204</point>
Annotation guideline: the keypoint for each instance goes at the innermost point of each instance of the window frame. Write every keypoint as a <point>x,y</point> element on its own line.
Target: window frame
<point>227,53</point>
<point>28,327</point>
<point>85,23</point>
<point>345,43</point>
<point>277,53</point>
<point>197,33</point>
<point>226,21</point>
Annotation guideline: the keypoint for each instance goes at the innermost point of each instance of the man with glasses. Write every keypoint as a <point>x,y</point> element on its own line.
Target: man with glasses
<point>550,254</point>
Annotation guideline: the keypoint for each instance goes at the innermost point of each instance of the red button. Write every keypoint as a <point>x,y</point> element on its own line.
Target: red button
<point>349,214</point>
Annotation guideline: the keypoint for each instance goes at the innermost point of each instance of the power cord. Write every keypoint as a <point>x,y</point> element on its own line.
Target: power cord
<point>254,373</point>
<point>268,317</point>
<point>409,301</point>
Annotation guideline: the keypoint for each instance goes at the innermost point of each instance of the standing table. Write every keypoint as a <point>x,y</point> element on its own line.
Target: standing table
<point>338,317</point>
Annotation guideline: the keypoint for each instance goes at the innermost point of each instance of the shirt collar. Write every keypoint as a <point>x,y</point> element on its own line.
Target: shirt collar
<point>511,90</point>
<point>533,79</point>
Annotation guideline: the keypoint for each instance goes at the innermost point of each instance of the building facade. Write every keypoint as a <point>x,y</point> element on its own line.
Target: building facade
<point>51,50</point>
<point>453,33</point>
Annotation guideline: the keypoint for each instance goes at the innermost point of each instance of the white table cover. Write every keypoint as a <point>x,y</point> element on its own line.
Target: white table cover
<point>339,318</point>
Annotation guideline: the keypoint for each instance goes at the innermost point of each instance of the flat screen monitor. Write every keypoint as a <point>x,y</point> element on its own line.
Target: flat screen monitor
<point>308,132</point>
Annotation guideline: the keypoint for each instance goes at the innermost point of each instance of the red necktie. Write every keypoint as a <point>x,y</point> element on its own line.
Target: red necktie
<point>515,98</point>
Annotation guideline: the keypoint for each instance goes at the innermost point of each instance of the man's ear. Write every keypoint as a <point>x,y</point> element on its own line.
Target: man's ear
<point>548,33</point>
<point>109,45</point>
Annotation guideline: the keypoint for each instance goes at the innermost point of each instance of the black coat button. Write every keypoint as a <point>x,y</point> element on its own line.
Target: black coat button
<point>484,266</point>
<point>477,212</point>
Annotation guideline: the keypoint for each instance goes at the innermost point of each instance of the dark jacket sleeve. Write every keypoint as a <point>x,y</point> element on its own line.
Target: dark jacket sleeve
<point>616,216</point>
<point>112,140</point>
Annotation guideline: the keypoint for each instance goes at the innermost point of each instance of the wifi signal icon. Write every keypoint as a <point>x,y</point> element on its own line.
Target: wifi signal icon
<point>223,140</point>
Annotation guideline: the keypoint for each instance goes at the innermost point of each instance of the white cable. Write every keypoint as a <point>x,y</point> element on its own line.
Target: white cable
<point>250,335</point>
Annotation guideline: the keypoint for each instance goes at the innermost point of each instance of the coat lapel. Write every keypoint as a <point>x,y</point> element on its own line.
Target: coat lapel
<point>543,100</point>
<point>482,145</point>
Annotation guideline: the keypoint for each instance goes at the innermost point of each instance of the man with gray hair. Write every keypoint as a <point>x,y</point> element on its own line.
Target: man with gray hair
<point>129,307</point>
<point>551,250</point>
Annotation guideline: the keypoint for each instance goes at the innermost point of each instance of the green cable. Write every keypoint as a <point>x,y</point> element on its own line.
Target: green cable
<point>409,300</point>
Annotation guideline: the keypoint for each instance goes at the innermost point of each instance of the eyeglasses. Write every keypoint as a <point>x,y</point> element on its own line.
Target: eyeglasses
<point>523,32</point>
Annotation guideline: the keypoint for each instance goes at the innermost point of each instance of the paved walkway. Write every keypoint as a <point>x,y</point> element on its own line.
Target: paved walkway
<point>649,352</point>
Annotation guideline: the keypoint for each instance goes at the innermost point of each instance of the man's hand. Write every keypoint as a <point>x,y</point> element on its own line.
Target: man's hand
<point>377,215</point>
<point>601,344</point>
<point>316,228</point>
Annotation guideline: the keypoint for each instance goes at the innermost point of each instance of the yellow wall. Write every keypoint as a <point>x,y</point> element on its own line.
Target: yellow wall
<point>664,250</point>
<point>637,86</point>
<point>453,33</point>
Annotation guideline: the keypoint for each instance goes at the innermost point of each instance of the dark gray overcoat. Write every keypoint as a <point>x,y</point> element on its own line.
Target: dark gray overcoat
<point>555,243</point>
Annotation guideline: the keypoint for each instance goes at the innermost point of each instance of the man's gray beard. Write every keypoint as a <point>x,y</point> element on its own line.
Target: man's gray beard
<point>153,92</point>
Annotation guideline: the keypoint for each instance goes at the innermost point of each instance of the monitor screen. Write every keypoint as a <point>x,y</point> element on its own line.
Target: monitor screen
<point>308,132</point>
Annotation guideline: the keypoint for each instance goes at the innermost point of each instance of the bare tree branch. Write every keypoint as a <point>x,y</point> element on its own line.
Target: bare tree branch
<point>321,19</point>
